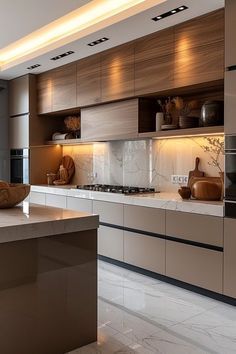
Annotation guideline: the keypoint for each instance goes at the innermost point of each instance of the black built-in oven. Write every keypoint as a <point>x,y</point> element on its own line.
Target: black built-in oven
<point>230,176</point>
<point>19,169</point>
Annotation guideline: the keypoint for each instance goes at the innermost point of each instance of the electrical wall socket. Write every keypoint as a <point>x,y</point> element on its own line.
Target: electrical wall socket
<point>179,179</point>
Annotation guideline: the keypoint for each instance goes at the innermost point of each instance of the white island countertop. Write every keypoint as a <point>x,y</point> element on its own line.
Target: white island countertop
<point>163,200</point>
<point>32,221</point>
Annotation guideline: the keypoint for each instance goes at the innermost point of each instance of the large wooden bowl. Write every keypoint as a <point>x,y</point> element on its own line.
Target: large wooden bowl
<point>12,194</point>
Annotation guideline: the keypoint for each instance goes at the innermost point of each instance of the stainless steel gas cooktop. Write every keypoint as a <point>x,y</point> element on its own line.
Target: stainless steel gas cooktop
<point>115,189</point>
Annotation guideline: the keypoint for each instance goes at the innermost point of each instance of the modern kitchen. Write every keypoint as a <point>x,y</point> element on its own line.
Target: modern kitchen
<point>118,177</point>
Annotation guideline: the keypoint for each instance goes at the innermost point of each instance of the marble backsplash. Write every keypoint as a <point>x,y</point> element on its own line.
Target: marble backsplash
<point>146,163</point>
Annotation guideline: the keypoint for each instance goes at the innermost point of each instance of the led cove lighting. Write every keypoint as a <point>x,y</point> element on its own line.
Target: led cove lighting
<point>169,13</point>
<point>59,32</point>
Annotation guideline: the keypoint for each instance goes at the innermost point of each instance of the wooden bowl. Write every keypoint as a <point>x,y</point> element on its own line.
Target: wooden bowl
<point>206,190</point>
<point>185,192</point>
<point>13,194</point>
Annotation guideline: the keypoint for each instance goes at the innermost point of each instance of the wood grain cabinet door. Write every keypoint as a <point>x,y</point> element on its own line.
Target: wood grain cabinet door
<point>117,66</point>
<point>89,81</point>
<point>19,96</point>
<point>110,121</point>
<point>199,50</point>
<point>44,92</point>
<point>230,27</point>
<point>64,87</point>
<point>154,62</point>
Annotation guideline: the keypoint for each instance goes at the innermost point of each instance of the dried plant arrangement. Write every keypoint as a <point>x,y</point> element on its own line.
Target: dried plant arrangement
<point>72,123</point>
<point>215,148</point>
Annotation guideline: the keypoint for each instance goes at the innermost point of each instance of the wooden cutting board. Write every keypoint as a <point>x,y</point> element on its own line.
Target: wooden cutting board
<point>196,172</point>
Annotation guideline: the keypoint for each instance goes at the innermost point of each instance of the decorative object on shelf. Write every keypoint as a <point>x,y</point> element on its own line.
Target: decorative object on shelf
<point>169,127</point>
<point>184,192</point>
<point>12,194</point>
<point>159,120</point>
<point>186,113</point>
<point>212,113</point>
<point>51,177</point>
<point>206,189</point>
<point>196,172</point>
<point>73,124</point>
<point>167,107</point>
<point>65,172</point>
<point>62,136</point>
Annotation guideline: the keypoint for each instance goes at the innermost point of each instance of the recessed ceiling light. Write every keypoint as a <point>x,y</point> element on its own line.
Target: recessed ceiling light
<point>60,56</point>
<point>33,66</point>
<point>169,13</point>
<point>98,41</point>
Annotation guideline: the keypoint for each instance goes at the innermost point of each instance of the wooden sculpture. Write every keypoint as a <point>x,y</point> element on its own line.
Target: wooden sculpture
<point>65,172</point>
<point>12,194</point>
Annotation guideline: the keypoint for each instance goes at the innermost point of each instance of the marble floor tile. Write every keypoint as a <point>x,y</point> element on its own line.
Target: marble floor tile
<point>137,314</point>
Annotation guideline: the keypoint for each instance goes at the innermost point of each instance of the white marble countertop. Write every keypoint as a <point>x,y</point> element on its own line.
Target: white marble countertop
<point>168,201</point>
<point>32,220</point>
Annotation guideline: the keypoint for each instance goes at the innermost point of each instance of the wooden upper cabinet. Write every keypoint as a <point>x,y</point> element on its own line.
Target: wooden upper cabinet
<point>230,27</point>
<point>19,92</point>
<point>44,92</point>
<point>199,50</point>
<point>200,31</point>
<point>117,72</point>
<point>64,87</point>
<point>154,62</point>
<point>89,81</point>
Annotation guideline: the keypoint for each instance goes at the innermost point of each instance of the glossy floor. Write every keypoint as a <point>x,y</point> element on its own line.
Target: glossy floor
<point>138,314</point>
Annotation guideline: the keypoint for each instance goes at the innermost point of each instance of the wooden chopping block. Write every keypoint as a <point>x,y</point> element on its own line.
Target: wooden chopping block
<point>196,172</point>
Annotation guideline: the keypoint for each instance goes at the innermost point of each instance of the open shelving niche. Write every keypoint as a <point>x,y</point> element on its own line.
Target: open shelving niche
<point>201,92</point>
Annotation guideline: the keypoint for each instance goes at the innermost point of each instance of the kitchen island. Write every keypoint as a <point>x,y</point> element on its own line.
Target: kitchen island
<point>48,279</point>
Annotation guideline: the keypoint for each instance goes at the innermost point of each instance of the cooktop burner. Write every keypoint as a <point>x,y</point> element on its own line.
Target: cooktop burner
<point>115,189</point>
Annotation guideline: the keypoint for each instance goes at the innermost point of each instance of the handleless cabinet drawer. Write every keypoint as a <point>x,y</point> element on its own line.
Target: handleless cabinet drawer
<point>195,265</point>
<point>145,219</point>
<point>144,251</point>
<point>57,201</point>
<point>38,198</point>
<point>80,204</point>
<point>110,242</point>
<point>195,227</point>
<point>229,257</point>
<point>111,213</point>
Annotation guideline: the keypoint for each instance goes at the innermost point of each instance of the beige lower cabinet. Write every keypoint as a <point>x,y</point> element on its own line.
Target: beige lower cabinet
<point>110,242</point>
<point>80,204</point>
<point>230,257</point>
<point>57,201</point>
<point>195,265</point>
<point>37,198</point>
<point>111,213</point>
<point>195,227</point>
<point>145,219</point>
<point>144,251</point>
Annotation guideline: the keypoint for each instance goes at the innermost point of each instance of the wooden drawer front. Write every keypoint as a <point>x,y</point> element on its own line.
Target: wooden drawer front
<point>38,198</point>
<point>80,204</point>
<point>110,121</point>
<point>195,227</point>
<point>58,201</point>
<point>110,242</point>
<point>146,219</point>
<point>199,64</point>
<point>144,251</point>
<point>154,75</point>
<point>89,80</point>
<point>111,213</point>
<point>117,72</point>
<point>229,257</point>
<point>194,265</point>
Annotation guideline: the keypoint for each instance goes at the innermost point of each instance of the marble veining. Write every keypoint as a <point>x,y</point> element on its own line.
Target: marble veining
<point>138,314</point>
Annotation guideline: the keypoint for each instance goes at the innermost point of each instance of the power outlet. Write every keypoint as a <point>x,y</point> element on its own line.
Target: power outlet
<point>179,179</point>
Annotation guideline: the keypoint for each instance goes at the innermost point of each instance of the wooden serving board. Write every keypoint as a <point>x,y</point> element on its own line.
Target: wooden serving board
<point>196,172</point>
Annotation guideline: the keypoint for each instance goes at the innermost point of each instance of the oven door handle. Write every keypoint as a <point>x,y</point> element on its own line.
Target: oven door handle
<point>230,152</point>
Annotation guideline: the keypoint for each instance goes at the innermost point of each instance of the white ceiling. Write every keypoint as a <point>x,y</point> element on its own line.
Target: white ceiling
<point>124,31</point>
<point>19,18</point>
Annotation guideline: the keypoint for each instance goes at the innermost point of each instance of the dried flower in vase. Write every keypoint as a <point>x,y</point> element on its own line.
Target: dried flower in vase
<point>72,123</point>
<point>215,148</point>
<point>184,109</point>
